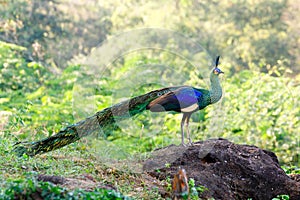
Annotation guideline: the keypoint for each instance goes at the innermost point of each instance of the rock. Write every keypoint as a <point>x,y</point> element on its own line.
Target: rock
<point>51,179</point>
<point>228,170</point>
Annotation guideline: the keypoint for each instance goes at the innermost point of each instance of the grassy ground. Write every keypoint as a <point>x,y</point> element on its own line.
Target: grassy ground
<point>84,173</point>
<point>78,163</point>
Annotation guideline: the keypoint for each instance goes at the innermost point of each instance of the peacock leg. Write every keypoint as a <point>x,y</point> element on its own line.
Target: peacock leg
<point>182,125</point>
<point>187,128</point>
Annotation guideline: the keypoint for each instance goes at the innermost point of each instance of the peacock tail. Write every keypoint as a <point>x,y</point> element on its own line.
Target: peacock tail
<point>106,117</point>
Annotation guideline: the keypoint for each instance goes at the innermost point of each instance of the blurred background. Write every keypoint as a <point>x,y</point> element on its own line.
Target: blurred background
<point>43,43</point>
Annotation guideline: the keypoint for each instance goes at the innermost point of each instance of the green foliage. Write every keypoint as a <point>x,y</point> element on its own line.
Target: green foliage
<point>51,31</point>
<point>34,97</point>
<point>30,188</point>
<point>282,197</point>
<point>195,191</point>
<point>17,74</point>
<point>291,169</point>
<point>244,32</point>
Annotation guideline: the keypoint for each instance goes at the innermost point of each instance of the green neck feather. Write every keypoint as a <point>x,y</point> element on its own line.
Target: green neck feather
<point>215,88</point>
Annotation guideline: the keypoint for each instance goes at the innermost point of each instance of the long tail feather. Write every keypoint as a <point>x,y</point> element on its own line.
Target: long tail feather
<point>101,119</point>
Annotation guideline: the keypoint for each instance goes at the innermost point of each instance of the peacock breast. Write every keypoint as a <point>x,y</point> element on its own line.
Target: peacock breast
<point>191,108</point>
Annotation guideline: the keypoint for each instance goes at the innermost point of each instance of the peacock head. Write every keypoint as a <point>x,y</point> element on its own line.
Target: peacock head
<point>216,70</point>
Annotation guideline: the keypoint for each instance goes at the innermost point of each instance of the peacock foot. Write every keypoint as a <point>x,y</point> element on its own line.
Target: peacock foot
<point>190,144</point>
<point>184,145</point>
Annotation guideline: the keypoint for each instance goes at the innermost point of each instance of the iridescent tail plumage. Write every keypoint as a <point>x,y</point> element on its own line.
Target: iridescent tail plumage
<point>100,120</point>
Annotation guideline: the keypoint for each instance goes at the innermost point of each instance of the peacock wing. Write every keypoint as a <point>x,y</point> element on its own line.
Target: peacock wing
<point>176,100</point>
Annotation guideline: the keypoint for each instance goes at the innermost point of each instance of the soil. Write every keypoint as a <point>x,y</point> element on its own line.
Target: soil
<point>228,170</point>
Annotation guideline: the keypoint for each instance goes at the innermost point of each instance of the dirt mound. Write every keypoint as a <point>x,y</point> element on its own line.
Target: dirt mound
<point>228,170</point>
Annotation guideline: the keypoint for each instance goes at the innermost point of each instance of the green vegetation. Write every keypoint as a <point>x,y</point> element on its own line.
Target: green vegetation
<point>282,197</point>
<point>195,190</point>
<point>42,90</point>
<point>30,188</point>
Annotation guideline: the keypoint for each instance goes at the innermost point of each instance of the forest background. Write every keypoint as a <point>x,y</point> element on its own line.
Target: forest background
<point>43,44</point>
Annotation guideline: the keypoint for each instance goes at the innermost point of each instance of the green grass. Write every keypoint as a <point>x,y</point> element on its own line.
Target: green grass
<point>74,161</point>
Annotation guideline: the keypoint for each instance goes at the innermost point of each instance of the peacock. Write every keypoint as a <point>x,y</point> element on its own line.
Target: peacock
<point>181,99</point>
<point>188,100</point>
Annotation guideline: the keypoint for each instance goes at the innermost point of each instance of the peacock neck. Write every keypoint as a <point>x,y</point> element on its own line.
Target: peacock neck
<point>215,89</point>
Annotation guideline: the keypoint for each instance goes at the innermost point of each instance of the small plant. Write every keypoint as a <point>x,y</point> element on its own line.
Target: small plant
<point>196,190</point>
<point>282,197</point>
<point>201,189</point>
<point>169,184</point>
<point>168,165</point>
